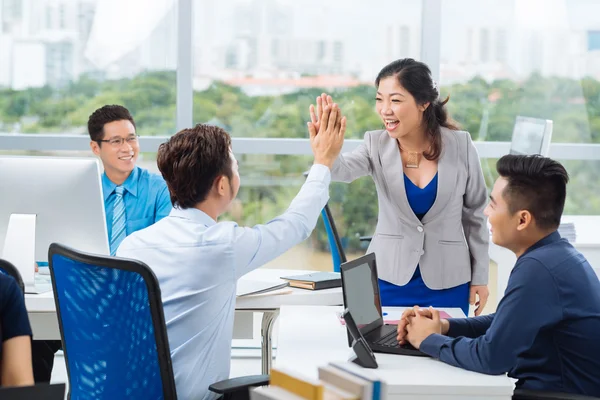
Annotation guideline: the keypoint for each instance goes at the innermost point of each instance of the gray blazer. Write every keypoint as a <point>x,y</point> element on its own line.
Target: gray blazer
<point>451,242</point>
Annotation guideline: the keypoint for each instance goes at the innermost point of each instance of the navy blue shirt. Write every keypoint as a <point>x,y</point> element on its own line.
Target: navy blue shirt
<point>546,331</point>
<point>13,315</point>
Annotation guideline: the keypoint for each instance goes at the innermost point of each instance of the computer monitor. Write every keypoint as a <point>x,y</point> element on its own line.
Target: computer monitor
<point>531,136</point>
<point>46,200</point>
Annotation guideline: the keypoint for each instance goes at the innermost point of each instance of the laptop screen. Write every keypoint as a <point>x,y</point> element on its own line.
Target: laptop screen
<point>361,290</point>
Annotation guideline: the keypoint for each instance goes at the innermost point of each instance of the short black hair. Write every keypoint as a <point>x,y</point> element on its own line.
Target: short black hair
<point>105,115</point>
<point>537,184</point>
<point>191,160</point>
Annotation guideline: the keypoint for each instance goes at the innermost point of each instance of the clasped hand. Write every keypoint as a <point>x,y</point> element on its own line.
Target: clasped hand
<point>417,324</point>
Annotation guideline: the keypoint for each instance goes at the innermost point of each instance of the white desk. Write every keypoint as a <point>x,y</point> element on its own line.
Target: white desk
<point>587,228</point>
<point>44,323</point>
<point>310,337</point>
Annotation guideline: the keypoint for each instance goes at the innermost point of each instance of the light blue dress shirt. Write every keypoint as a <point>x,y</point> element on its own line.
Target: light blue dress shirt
<point>198,261</point>
<point>146,199</point>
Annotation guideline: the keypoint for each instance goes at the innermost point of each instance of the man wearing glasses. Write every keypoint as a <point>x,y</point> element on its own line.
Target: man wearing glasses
<point>134,198</point>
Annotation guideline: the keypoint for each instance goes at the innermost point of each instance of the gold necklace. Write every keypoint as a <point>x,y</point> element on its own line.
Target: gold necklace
<point>411,159</point>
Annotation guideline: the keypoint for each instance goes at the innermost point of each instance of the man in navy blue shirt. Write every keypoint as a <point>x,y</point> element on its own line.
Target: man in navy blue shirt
<point>545,332</point>
<point>15,336</point>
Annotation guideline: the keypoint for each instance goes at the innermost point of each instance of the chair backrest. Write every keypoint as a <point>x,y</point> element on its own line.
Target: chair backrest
<point>8,269</point>
<point>335,244</point>
<point>337,251</point>
<point>112,326</point>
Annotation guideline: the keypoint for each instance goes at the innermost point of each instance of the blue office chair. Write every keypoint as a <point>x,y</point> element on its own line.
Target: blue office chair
<point>338,254</point>
<point>113,329</point>
<point>9,269</point>
<point>524,394</point>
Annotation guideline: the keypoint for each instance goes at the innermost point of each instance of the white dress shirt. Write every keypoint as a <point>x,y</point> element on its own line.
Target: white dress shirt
<point>198,261</point>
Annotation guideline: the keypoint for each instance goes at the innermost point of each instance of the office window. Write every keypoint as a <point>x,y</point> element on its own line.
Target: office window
<point>61,61</point>
<point>335,46</point>
<point>62,18</point>
<point>593,40</point>
<point>542,68</point>
<point>484,46</point>
<point>404,41</point>
<point>271,58</point>
<point>501,45</point>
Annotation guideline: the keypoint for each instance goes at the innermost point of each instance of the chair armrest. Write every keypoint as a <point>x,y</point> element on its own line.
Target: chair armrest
<point>525,394</point>
<point>365,238</point>
<point>240,383</point>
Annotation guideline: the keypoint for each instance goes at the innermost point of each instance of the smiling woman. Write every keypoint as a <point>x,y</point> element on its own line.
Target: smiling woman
<point>431,238</point>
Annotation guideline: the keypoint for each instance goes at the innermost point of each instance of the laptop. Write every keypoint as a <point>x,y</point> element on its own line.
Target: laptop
<point>360,288</point>
<point>39,391</point>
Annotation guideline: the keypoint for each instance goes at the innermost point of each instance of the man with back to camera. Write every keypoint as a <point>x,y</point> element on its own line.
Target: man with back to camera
<point>134,198</point>
<point>545,330</point>
<point>198,260</point>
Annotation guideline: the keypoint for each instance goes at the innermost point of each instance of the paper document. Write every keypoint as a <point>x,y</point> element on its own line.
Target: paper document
<point>246,287</point>
<point>393,319</point>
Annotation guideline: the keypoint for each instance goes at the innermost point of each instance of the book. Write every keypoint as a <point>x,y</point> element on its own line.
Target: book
<point>272,393</point>
<point>279,393</point>
<point>307,388</point>
<point>315,280</point>
<point>567,231</point>
<point>331,392</point>
<point>346,381</point>
<point>378,387</point>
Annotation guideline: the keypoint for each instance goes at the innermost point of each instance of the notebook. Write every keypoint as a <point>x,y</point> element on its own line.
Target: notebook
<point>315,280</point>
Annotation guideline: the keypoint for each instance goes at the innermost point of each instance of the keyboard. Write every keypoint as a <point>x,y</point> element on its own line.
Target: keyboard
<point>391,340</point>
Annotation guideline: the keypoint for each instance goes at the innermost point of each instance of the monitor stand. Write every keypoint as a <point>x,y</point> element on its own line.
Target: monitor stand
<point>19,249</point>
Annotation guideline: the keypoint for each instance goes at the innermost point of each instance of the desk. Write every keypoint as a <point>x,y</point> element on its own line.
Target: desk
<point>44,323</point>
<point>310,337</point>
<point>587,228</point>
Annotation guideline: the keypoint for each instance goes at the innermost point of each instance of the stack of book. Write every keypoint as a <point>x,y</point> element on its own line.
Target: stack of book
<point>315,280</point>
<point>567,231</point>
<point>337,381</point>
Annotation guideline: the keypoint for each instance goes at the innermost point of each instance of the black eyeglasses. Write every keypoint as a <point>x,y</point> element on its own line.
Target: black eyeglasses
<point>118,141</point>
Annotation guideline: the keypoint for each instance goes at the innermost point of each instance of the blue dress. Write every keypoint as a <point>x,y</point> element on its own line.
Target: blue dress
<point>415,292</point>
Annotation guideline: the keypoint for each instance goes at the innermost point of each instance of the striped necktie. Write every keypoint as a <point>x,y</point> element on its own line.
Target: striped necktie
<point>118,221</point>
